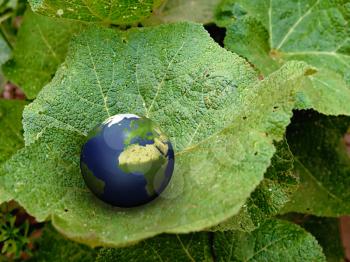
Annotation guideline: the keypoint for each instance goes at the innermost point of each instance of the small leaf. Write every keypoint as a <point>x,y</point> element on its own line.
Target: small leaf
<point>40,48</point>
<point>108,12</point>
<point>190,247</point>
<point>51,246</point>
<point>200,11</point>
<point>221,119</point>
<point>266,201</point>
<point>5,54</point>
<point>322,162</point>
<point>270,33</point>
<point>275,240</point>
<point>11,138</point>
<point>326,231</point>
<point>5,50</point>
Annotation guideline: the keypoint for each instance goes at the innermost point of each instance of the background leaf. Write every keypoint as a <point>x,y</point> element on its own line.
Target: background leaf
<point>322,162</point>
<point>10,13</point>
<point>268,243</point>
<point>266,201</point>
<point>190,247</point>
<point>200,93</point>
<point>275,240</point>
<point>52,246</point>
<point>107,12</point>
<point>11,138</point>
<point>325,230</point>
<point>201,11</point>
<point>40,48</point>
<point>269,33</point>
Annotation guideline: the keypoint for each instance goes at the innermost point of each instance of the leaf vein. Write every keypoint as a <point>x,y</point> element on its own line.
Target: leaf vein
<point>292,28</point>
<point>318,182</point>
<point>185,249</point>
<point>265,247</point>
<point>104,97</point>
<point>161,83</point>
<point>48,45</point>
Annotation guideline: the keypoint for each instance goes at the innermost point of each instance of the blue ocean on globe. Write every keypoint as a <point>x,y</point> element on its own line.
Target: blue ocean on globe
<point>127,161</point>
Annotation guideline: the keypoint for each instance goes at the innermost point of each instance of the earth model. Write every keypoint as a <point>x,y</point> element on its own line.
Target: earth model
<point>127,161</point>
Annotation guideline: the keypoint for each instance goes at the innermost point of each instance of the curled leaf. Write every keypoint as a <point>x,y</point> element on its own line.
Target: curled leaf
<point>270,33</point>
<point>108,12</point>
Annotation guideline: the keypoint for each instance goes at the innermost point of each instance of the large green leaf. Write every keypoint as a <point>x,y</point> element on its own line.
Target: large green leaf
<point>40,48</point>
<point>322,161</point>
<point>181,248</point>
<point>275,240</point>
<point>277,188</point>
<point>201,11</point>
<point>11,138</point>
<point>220,118</point>
<point>107,12</point>
<point>269,33</point>
<point>326,231</point>
<point>52,246</point>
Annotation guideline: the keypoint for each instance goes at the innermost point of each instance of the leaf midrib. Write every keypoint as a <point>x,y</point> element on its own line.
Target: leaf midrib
<point>291,30</point>
<point>265,248</point>
<point>296,24</point>
<point>318,183</point>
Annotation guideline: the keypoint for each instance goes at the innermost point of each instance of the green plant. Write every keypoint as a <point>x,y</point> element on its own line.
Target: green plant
<point>14,236</point>
<point>257,123</point>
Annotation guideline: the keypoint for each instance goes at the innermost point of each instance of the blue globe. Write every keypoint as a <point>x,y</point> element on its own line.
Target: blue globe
<point>127,161</point>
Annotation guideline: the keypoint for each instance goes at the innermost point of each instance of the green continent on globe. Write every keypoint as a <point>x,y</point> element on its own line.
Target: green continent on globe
<point>149,160</point>
<point>140,128</point>
<point>98,184</point>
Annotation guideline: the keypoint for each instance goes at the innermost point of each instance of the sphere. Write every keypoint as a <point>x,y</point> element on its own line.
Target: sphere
<point>127,161</point>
